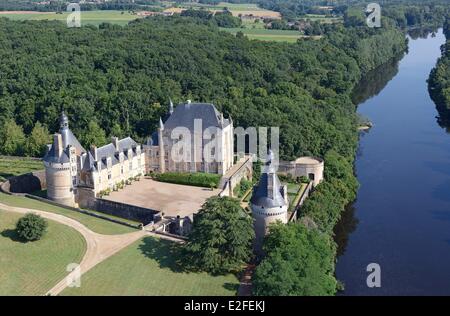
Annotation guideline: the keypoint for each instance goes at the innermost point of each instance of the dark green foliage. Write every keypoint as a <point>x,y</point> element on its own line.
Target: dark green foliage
<point>299,262</point>
<point>198,179</point>
<point>324,206</point>
<point>439,80</point>
<point>242,187</point>
<point>221,237</point>
<point>31,227</point>
<point>123,76</point>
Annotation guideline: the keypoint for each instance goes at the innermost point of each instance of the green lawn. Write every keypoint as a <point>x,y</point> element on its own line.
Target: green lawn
<point>95,224</point>
<point>87,17</point>
<point>33,268</point>
<point>12,167</point>
<point>148,267</point>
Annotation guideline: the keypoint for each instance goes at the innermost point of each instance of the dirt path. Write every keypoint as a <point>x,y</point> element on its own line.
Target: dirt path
<point>98,246</point>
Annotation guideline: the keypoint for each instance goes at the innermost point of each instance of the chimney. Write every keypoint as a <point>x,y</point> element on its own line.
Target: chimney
<point>58,144</point>
<point>285,194</point>
<point>115,142</point>
<point>94,152</point>
<point>270,185</point>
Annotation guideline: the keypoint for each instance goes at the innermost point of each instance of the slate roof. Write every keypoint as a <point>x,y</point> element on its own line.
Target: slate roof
<point>263,195</point>
<point>185,114</point>
<point>67,139</point>
<point>260,196</point>
<point>107,151</point>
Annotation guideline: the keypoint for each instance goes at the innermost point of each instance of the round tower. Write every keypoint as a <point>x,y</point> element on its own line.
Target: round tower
<point>269,202</point>
<point>61,164</point>
<point>58,174</point>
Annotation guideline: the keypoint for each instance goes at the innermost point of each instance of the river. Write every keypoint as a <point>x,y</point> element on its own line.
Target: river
<point>401,217</point>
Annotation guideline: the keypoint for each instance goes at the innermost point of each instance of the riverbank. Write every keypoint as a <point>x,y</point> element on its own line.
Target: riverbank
<point>400,217</point>
<point>439,80</point>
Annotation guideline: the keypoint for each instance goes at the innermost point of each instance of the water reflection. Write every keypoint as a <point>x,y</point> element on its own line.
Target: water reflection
<point>375,80</point>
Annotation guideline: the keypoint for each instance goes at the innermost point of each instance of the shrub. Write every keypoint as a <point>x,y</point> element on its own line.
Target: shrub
<point>31,227</point>
<point>199,179</point>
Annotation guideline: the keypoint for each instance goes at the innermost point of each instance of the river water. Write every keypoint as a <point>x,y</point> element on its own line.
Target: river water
<point>401,218</point>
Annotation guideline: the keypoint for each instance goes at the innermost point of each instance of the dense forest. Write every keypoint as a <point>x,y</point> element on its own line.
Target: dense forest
<point>439,80</point>
<point>119,79</point>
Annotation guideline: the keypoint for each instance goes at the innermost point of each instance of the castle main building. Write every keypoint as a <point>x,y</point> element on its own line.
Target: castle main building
<point>211,138</point>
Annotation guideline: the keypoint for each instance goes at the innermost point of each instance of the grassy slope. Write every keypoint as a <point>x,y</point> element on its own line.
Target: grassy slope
<point>147,267</point>
<point>95,224</point>
<point>35,267</point>
<point>13,167</point>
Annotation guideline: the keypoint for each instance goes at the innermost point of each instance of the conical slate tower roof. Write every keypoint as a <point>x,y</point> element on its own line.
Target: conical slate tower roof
<point>268,192</point>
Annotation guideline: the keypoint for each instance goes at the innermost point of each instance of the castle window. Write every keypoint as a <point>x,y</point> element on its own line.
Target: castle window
<point>109,176</point>
<point>121,169</point>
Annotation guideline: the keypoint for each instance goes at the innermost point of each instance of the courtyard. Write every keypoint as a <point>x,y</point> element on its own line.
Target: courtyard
<point>172,199</point>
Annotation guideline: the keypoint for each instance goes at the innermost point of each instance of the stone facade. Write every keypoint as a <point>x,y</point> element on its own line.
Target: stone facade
<point>210,144</point>
<point>310,167</point>
<point>69,167</point>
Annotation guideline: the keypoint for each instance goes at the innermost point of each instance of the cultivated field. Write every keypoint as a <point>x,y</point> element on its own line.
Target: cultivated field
<point>148,267</point>
<point>95,224</point>
<point>87,17</point>
<point>14,166</point>
<point>33,268</point>
<point>267,35</point>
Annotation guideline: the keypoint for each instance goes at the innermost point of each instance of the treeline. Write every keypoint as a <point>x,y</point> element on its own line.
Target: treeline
<point>414,14</point>
<point>439,79</point>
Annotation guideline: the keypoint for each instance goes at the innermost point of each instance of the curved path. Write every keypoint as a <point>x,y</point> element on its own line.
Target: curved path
<point>98,246</point>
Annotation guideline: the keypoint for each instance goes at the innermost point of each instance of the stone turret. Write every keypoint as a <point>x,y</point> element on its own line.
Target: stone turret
<point>269,202</point>
<point>61,164</point>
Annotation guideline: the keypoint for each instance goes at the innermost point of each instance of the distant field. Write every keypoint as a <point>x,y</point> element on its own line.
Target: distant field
<point>33,268</point>
<point>12,167</point>
<point>148,267</point>
<point>267,35</point>
<point>87,17</point>
<point>235,8</point>
<point>322,18</point>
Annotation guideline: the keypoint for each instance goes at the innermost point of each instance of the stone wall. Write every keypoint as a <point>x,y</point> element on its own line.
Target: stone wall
<point>229,182</point>
<point>132,212</point>
<point>26,183</point>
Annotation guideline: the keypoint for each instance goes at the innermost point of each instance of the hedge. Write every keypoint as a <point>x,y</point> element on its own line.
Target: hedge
<point>199,179</point>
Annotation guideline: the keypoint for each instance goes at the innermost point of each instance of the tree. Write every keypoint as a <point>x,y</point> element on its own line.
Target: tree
<point>31,227</point>
<point>12,138</point>
<point>221,237</point>
<point>94,135</point>
<point>36,142</point>
<point>299,261</point>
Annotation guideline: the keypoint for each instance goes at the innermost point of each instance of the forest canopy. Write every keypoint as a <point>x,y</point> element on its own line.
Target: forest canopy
<point>121,78</point>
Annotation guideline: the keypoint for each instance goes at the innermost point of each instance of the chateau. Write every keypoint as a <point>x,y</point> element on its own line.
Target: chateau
<point>74,173</point>
<point>193,137</point>
<point>209,141</point>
